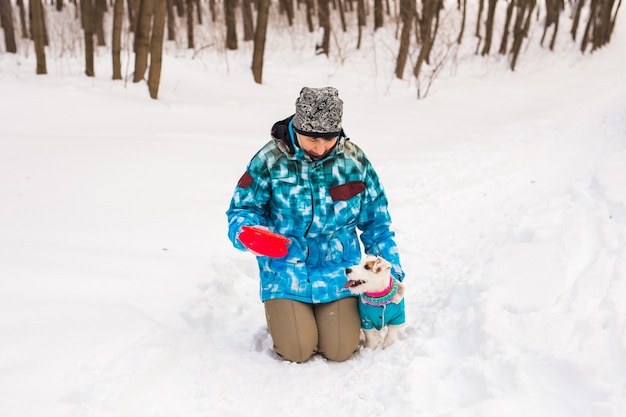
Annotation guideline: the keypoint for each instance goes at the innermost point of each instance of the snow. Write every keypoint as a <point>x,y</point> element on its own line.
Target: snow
<point>120,294</point>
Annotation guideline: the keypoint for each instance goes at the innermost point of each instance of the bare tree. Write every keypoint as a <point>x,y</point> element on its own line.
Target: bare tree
<point>378,14</point>
<point>98,20</point>
<point>407,14</point>
<point>323,12</point>
<point>171,21</point>
<point>87,14</point>
<point>260,34</point>
<point>116,41</point>
<point>199,12</point>
<point>22,9</point>
<point>6,21</point>
<point>342,15</point>
<point>231,24</point>
<point>428,28</point>
<point>507,28</point>
<point>600,24</point>
<point>190,37</point>
<point>142,38</point>
<point>38,33</point>
<point>310,11</point>
<point>156,47</point>
<point>553,11</point>
<point>133,11</point>
<point>248,25</point>
<point>287,6</point>
<point>360,21</point>
<point>577,12</point>
<point>491,12</point>
<point>520,28</point>
<point>463,7</point>
<point>481,7</point>
<point>212,8</point>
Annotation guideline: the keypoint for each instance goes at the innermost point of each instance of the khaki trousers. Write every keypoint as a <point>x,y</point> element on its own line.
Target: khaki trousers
<point>299,330</point>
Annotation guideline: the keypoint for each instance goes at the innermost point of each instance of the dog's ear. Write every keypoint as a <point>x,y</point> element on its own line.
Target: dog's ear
<point>381,264</point>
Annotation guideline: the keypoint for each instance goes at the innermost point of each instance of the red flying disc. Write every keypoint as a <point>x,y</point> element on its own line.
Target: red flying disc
<point>264,242</point>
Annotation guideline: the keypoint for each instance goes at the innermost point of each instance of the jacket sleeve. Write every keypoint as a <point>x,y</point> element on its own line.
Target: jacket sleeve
<point>375,222</point>
<point>248,205</point>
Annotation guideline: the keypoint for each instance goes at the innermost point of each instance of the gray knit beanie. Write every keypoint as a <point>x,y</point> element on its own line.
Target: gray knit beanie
<point>318,112</point>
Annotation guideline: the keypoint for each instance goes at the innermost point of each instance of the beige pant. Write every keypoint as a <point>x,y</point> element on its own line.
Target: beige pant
<point>300,330</point>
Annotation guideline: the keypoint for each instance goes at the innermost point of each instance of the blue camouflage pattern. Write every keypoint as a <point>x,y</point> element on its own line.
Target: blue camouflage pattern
<point>321,205</point>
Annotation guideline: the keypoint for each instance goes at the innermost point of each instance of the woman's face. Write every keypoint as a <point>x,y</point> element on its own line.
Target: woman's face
<point>316,148</point>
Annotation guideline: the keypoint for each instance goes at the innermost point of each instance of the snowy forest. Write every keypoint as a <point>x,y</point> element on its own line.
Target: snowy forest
<point>426,35</point>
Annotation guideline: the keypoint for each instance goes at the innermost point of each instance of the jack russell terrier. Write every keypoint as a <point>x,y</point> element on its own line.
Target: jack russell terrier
<point>381,300</point>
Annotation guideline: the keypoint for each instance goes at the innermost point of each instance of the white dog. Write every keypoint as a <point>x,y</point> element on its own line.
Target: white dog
<point>381,301</point>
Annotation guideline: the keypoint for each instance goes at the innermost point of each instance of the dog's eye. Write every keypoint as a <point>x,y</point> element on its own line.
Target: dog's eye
<point>367,267</point>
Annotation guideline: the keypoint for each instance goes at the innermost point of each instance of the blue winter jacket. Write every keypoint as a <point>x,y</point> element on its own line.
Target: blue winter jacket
<point>319,205</point>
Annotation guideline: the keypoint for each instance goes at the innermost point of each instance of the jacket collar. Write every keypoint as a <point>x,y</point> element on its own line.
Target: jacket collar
<point>283,136</point>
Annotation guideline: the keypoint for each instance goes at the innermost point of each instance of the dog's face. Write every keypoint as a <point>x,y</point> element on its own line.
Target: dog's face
<point>371,275</point>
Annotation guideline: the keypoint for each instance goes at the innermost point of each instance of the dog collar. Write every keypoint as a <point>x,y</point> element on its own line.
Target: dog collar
<point>383,297</point>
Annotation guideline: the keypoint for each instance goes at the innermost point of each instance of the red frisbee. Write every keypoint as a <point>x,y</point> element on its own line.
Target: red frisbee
<point>264,242</point>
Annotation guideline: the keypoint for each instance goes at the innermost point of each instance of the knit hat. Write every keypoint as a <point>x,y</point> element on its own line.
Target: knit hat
<point>318,112</point>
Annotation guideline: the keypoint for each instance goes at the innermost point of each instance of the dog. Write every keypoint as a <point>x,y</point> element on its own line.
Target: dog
<point>381,300</point>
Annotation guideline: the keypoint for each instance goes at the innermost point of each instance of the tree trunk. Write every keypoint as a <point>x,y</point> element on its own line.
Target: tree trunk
<point>248,23</point>
<point>21,7</point>
<point>190,38</point>
<point>504,44</point>
<point>231,24</point>
<point>491,12</point>
<point>180,7</point>
<point>360,21</point>
<point>378,14</point>
<point>605,23</point>
<point>619,3</point>
<point>407,12</point>
<point>87,14</point>
<point>575,22</point>
<point>199,12</point>
<point>553,11</point>
<point>142,38</point>
<point>481,7</point>
<point>520,30</point>
<point>6,21</point>
<point>430,17</point>
<point>212,10</point>
<point>171,21</point>
<point>116,40</point>
<point>260,34</point>
<point>98,16</point>
<point>156,47</point>
<point>463,19</point>
<point>323,13</point>
<point>342,15</point>
<point>287,5</point>
<point>310,11</point>
<point>37,29</point>
<point>133,11</point>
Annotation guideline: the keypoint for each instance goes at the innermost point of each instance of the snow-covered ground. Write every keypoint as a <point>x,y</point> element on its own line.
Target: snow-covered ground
<point>120,294</point>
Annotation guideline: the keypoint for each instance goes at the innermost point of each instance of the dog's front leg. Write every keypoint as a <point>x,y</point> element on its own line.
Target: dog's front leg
<point>372,338</point>
<point>392,335</point>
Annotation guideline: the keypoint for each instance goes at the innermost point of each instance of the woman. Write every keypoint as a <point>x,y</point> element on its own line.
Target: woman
<point>315,187</point>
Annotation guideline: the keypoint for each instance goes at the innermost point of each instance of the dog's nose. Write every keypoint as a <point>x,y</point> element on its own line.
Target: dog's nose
<point>348,270</point>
